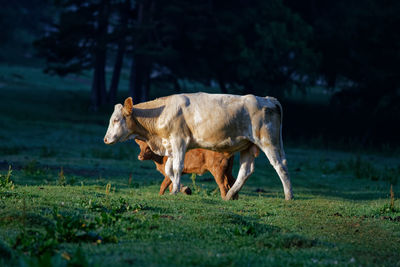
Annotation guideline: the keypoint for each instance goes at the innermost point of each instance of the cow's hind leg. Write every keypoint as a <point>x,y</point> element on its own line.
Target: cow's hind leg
<point>246,169</point>
<point>278,161</point>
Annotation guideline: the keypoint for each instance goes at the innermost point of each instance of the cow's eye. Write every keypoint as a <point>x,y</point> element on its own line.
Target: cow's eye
<point>116,120</point>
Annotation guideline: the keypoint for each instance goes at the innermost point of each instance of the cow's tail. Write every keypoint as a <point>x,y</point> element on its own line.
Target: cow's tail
<point>282,151</point>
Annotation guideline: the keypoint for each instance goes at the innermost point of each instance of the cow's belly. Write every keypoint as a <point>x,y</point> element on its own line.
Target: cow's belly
<point>227,144</point>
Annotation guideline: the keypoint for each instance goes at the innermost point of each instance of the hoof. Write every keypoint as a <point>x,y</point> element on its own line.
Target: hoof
<point>186,190</point>
<point>227,198</point>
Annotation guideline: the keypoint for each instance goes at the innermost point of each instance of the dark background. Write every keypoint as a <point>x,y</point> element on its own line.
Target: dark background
<point>334,65</point>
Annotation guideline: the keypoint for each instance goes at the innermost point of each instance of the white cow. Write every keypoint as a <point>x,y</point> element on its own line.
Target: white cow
<point>225,123</point>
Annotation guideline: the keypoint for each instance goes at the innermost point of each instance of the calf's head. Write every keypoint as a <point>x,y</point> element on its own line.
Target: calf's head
<point>145,151</point>
<point>118,130</point>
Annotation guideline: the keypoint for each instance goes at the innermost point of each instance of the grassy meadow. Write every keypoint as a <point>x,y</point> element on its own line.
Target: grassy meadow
<point>70,200</point>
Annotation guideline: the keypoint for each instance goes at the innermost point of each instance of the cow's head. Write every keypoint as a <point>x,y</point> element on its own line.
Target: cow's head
<point>145,151</point>
<point>117,128</point>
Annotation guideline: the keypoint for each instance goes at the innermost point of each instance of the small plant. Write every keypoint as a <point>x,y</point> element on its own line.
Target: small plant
<point>35,243</point>
<point>5,180</point>
<point>62,181</point>
<point>392,199</point>
<point>193,177</point>
<point>108,188</point>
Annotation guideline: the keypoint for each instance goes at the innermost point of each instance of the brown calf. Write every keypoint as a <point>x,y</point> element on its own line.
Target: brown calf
<point>196,161</point>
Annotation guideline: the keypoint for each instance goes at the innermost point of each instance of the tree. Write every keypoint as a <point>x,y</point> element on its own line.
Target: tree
<point>78,40</point>
<point>359,43</point>
<point>20,22</point>
<point>256,46</point>
<point>245,46</point>
<point>119,36</point>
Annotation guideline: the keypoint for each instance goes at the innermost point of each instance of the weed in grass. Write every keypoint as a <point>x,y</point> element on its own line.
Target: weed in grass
<point>5,180</point>
<point>391,198</point>
<point>108,188</point>
<point>62,181</point>
<point>389,207</point>
<point>195,186</point>
<point>35,243</point>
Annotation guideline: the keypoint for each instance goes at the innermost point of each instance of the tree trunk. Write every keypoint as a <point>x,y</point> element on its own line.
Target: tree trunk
<point>134,92</point>
<point>124,13</point>
<point>99,83</point>
<point>146,84</point>
<point>99,92</point>
<point>140,68</point>
<point>117,72</point>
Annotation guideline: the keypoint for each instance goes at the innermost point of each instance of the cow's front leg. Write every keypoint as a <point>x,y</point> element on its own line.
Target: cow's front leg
<point>174,165</point>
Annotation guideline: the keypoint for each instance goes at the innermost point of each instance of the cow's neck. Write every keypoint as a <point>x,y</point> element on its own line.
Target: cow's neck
<point>147,118</point>
<point>143,124</point>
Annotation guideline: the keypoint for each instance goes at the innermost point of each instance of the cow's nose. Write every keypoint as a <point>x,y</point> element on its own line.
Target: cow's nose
<point>105,140</point>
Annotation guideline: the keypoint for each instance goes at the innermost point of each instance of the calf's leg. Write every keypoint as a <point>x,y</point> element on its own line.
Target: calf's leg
<point>164,185</point>
<point>220,178</point>
<point>246,169</point>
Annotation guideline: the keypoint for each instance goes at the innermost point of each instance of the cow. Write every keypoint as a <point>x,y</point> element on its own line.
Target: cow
<point>196,161</point>
<point>221,122</point>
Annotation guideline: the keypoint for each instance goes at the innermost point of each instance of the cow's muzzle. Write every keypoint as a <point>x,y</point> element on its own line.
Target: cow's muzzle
<point>107,141</point>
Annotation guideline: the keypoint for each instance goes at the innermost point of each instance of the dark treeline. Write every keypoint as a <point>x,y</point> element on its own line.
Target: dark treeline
<point>261,47</point>
<point>247,46</point>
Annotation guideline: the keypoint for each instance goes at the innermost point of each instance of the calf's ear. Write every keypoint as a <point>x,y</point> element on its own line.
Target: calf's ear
<point>128,105</point>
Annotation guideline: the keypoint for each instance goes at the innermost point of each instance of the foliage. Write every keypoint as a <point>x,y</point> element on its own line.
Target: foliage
<point>348,35</point>
<point>5,180</point>
<point>258,47</point>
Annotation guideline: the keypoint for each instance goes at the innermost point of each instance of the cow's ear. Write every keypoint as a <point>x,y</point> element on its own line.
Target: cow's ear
<point>128,106</point>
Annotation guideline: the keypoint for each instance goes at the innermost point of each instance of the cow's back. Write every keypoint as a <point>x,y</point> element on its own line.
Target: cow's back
<point>217,121</point>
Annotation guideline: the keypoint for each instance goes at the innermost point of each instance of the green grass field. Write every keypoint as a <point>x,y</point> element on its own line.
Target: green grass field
<point>70,200</point>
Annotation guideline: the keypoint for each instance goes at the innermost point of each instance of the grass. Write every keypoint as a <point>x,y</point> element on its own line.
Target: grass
<point>69,199</point>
